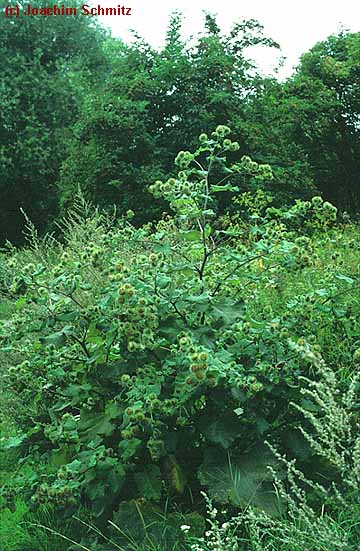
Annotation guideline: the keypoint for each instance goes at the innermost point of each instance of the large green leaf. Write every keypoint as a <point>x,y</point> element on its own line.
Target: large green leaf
<point>148,482</point>
<point>93,424</point>
<point>128,448</point>
<point>241,480</point>
<point>297,443</point>
<point>57,339</point>
<point>227,311</point>
<point>223,430</point>
<point>199,303</point>
<point>61,456</point>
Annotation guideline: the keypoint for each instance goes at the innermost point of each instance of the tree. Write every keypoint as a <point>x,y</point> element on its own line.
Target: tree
<point>153,104</point>
<point>326,92</point>
<point>45,63</point>
<point>267,130</point>
<point>308,127</point>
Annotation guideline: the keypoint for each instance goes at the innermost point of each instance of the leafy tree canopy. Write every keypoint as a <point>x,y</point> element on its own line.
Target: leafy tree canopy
<point>45,63</point>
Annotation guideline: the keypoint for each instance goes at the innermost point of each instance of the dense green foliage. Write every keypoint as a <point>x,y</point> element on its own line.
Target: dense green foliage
<point>47,66</point>
<point>317,112</point>
<point>81,109</point>
<point>152,363</point>
<point>180,372</point>
<point>154,104</point>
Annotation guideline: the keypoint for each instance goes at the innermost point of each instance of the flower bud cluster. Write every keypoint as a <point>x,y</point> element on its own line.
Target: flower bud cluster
<point>135,417</point>
<point>317,210</point>
<point>63,492</point>
<point>91,254</point>
<point>138,318</point>
<point>196,358</point>
<point>308,353</point>
<point>184,159</point>
<point>253,168</point>
<point>172,189</point>
<point>221,131</point>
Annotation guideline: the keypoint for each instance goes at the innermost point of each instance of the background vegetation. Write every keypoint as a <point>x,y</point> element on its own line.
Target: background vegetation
<point>81,108</point>
<point>180,372</point>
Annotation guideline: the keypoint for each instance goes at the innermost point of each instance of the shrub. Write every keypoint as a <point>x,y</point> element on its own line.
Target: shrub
<point>141,368</point>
